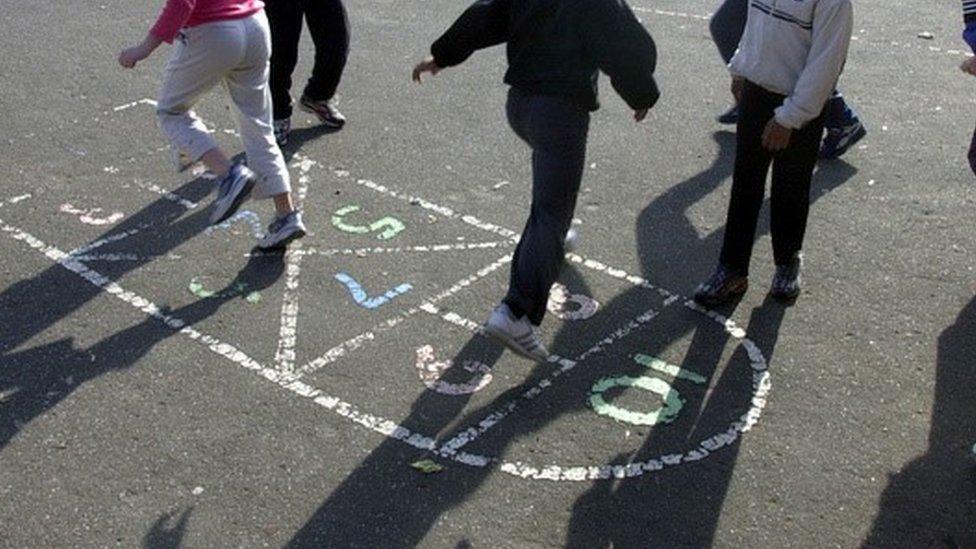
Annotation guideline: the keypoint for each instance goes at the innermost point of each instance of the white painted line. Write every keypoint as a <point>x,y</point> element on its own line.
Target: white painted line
<point>376,250</point>
<point>16,199</point>
<point>122,257</point>
<point>288,330</point>
<point>88,248</point>
<point>442,210</point>
<point>150,102</point>
<point>354,343</point>
<point>172,197</point>
<point>88,216</point>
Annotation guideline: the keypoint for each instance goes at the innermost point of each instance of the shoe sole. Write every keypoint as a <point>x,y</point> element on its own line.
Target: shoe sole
<point>326,121</point>
<point>781,296</point>
<point>236,204</point>
<point>735,292</point>
<point>284,242</point>
<point>858,135</point>
<point>509,343</point>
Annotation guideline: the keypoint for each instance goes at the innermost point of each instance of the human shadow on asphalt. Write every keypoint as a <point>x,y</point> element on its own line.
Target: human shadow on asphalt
<point>37,379</point>
<point>384,502</point>
<point>931,502</point>
<point>163,536</point>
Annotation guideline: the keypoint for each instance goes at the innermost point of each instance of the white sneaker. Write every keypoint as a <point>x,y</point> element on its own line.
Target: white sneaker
<point>516,333</point>
<point>282,231</point>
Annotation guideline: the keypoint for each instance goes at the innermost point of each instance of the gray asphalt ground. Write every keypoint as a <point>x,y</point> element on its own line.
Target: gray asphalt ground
<point>135,413</point>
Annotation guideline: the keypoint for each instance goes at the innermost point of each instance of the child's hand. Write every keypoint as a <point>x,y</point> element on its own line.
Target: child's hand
<point>969,66</point>
<point>776,137</point>
<point>427,65</point>
<point>130,56</point>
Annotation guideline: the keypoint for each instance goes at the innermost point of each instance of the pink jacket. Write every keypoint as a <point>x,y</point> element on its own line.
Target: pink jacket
<point>189,13</point>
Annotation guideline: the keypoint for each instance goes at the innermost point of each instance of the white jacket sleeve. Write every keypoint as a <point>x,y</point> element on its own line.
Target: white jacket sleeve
<point>833,21</point>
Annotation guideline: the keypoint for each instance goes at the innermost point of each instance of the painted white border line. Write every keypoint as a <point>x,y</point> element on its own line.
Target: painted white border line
<point>285,354</point>
<point>374,423</point>
<point>430,206</point>
<point>337,352</point>
<point>16,199</point>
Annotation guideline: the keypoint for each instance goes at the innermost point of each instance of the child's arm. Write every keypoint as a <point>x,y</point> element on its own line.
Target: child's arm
<point>168,25</point>
<point>482,25</point>
<point>623,49</point>
<point>832,24</point>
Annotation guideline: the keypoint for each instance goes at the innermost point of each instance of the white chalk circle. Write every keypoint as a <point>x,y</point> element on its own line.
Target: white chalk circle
<point>559,304</point>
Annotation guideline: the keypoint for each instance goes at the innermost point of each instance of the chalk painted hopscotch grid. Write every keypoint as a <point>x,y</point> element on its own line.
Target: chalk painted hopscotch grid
<point>290,380</point>
<point>954,52</point>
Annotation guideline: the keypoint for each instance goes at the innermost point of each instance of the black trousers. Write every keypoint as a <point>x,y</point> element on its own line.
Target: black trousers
<point>556,129</point>
<point>329,26</point>
<point>790,188</point>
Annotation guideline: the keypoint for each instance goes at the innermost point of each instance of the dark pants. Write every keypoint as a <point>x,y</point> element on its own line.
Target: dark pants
<point>972,153</point>
<point>727,25</point>
<point>329,27</point>
<point>555,128</point>
<point>790,189</point>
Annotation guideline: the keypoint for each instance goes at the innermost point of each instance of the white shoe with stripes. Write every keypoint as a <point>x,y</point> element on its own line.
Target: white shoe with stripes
<point>516,333</point>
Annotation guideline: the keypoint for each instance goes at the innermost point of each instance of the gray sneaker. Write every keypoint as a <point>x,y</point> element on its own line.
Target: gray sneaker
<point>232,191</point>
<point>283,231</point>
<point>515,333</point>
<point>326,111</point>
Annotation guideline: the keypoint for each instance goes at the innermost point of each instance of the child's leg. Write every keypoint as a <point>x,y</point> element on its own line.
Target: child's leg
<point>972,153</point>
<point>248,87</point>
<point>556,129</point>
<point>285,18</point>
<point>749,177</point>
<point>329,26</point>
<point>790,191</point>
<point>196,65</point>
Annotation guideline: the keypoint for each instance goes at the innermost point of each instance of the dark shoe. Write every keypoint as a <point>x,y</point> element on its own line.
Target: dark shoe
<point>839,140</point>
<point>786,281</point>
<point>281,130</point>
<point>730,116</point>
<point>232,191</point>
<point>327,112</point>
<point>723,286</point>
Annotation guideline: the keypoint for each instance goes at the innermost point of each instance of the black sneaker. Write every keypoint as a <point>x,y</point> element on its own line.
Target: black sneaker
<point>327,112</point>
<point>281,130</point>
<point>723,286</point>
<point>730,116</point>
<point>786,281</point>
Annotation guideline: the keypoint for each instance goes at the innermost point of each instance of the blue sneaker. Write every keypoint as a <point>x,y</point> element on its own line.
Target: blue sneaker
<point>232,191</point>
<point>283,231</point>
<point>838,140</point>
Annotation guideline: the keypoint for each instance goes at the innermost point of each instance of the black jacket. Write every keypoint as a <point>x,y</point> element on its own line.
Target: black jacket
<point>556,46</point>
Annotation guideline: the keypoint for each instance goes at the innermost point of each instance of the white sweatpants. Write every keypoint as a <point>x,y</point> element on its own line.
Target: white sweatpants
<point>235,53</point>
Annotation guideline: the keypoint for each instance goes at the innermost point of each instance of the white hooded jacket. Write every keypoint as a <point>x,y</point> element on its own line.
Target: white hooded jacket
<point>795,48</point>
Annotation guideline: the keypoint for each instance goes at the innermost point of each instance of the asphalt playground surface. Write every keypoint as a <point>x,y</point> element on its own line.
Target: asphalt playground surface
<point>161,385</point>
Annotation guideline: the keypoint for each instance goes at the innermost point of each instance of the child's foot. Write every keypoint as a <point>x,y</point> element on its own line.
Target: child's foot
<point>283,231</point>
<point>838,140</point>
<point>786,281</point>
<point>515,333</point>
<point>281,130</point>
<point>723,286</point>
<point>232,191</point>
<point>730,116</point>
<point>327,112</point>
